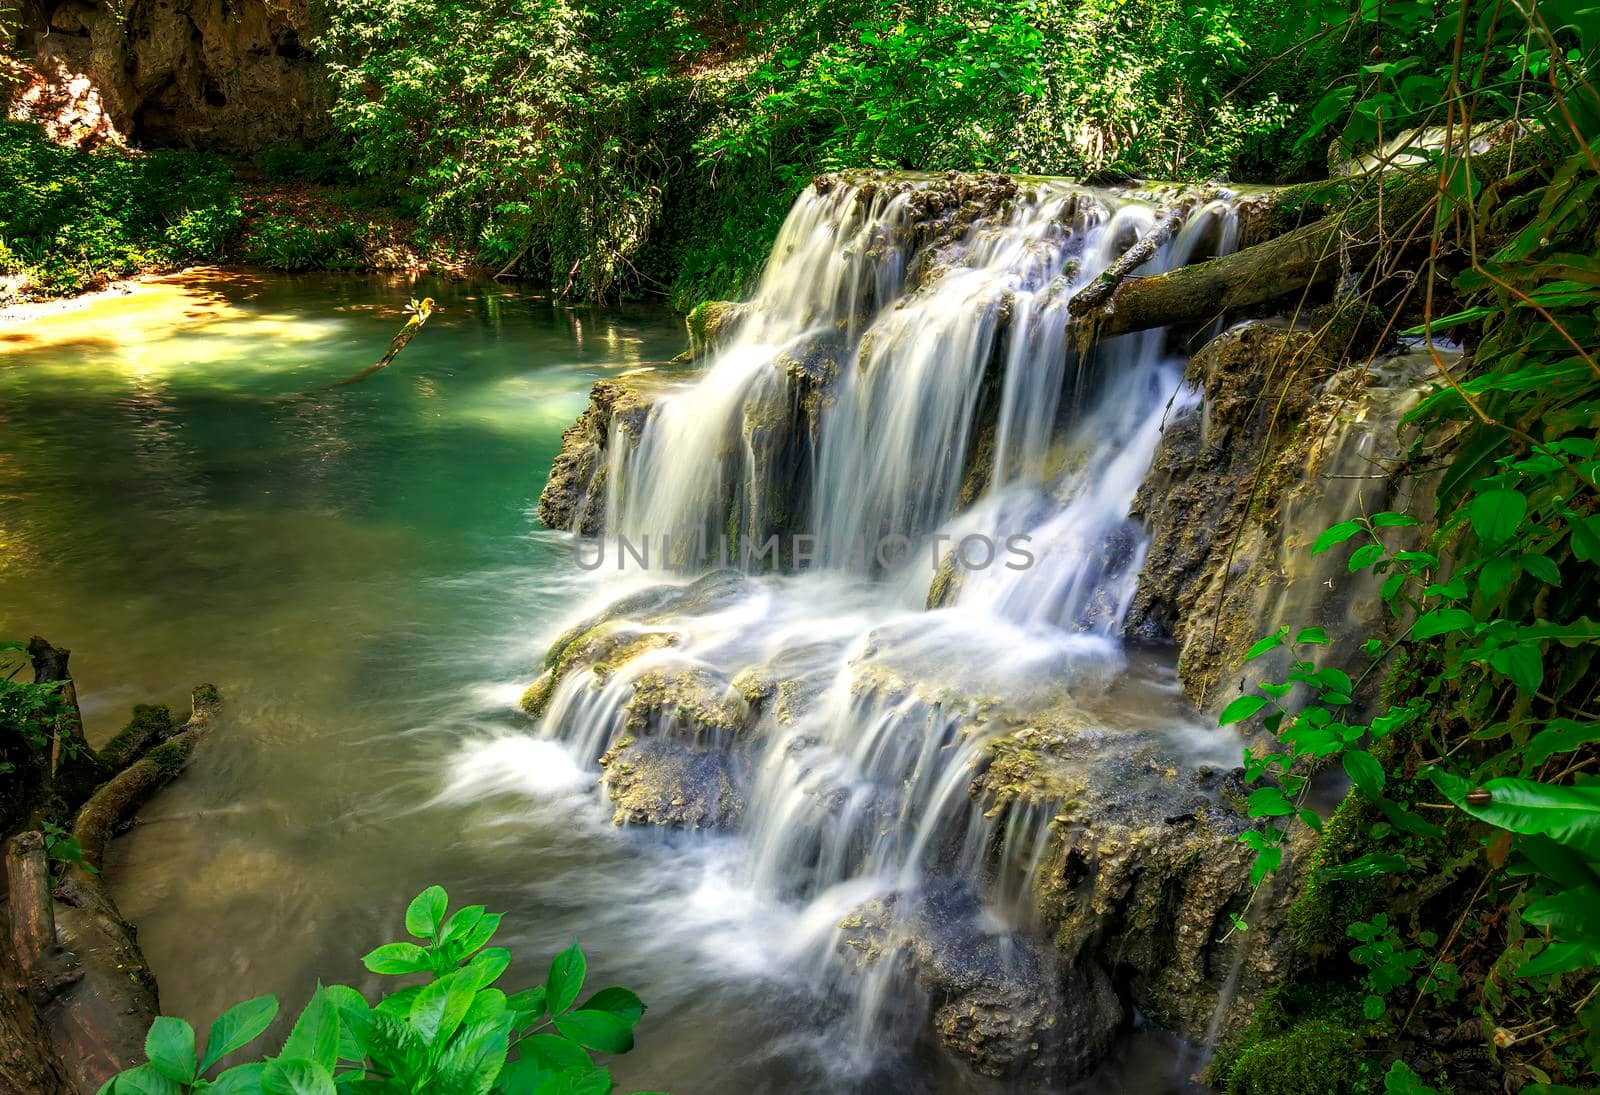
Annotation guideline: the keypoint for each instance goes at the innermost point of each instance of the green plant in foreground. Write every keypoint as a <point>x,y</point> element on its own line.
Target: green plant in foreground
<point>455,1034</point>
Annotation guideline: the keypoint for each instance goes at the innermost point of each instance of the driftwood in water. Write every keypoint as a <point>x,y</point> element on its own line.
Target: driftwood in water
<point>76,994</point>
<point>420,311</point>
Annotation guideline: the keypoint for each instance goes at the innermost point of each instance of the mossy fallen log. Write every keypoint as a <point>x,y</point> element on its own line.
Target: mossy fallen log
<point>76,994</point>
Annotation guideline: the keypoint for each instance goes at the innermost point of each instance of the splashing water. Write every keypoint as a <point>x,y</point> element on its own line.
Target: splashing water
<point>891,383</point>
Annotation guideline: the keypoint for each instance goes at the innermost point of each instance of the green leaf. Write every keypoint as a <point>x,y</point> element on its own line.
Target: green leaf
<point>396,958</point>
<point>1542,568</point>
<point>461,924</point>
<point>1268,802</point>
<point>565,980</point>
<point>1441,621</point>
<point>1561,958</point>
<point>1567,815</point>
<point>590,1081</point>
<point>1365,772</point>
<point>239,1080</point>
<point>597,1030</point>
<point>1495,514</point>
<point>1572,915</point>
<point>1393,520</point>
<point>1559,736</point>
<point>553,1054</point>
<point>1338,534</point>
<point>426,912</point>
<point>1523,663</point>
<point>1240,709</point>
<point>170,1047</point>
<point>1370,865</point>
<point>528,1004</point>
<point>620,1002</point>
<point>1315,635</point>
<point>296,1076</point>
<point>145,1080</point>
<point>440,1007</point>
<point>481,933</point>
<point>1264,645</point>
<point>315,1036</point>
<point>1364,556</point>
<point>237,1027</point>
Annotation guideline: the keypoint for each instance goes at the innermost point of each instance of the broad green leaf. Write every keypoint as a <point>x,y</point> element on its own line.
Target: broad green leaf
<point>296,1076</point>
<point>1264,645</point>
<point>481,933</point>
<point>1495,514</point>
<point>1365,772</point>
<point>440,1007</point>
<point>1559,736</point>
<point>145,1080</point>
<point>426,912</point>
<point>1241,709</point>
<point>565,980</point>
<point>1561,958</point>
<point>1364,556</point>
<point>619,1002</point>
<point>1268,802</point>
<point>239,1080</point>
<point>1523,663</point>
<point>1572,915</point>
<point>170,1047</point>
<point>1338,534</point>
<point>1315,635</point>
<point>237,1027</point>
<point>1441,621</point>
<point>396,958</point>
<point>1370,865</point>
<point>315,1036</point>
<point>461,924</point>
<point>528,1004</point>
<point>553,1054</point>
<point>474,1059</point>
<point>590,1081</point>
<point>597,1030</point>
<point>487,966</point>
<point>1567,815</point>
<point>1393,520</point>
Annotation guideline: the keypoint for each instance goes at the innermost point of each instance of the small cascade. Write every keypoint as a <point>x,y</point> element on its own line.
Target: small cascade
<point>904,715</point>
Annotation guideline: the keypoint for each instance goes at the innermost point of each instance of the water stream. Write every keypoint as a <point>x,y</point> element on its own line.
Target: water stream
<point>362,574</point>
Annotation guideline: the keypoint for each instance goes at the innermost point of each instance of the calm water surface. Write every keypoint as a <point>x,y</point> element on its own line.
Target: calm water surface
<point>361,572</point>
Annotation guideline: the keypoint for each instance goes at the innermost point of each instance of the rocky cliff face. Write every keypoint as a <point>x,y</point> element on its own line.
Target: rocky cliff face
<point>1283,445</point>
<point>234,75</point>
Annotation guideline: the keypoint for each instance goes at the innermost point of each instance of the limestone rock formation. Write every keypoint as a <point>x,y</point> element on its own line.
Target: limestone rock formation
<point>233,75</point>
<point>574,497</point>
<point>1283,446</point>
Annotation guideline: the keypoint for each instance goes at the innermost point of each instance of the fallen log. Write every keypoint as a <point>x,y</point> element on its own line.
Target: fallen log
<point>1303,258</point>
<point>78,961</point>
<point>29,1064</point>
<point>1166,225</point>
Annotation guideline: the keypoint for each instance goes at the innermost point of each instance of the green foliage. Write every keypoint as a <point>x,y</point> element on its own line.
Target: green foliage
<point>1311,1056</point>
<point>1492,894</point>
<point>287,243</point>
<point>453,1034</point>
<point>69,218</point>
<point>646,145</point>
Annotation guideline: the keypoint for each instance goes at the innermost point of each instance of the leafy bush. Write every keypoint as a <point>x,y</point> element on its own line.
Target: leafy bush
<point>453,1034</point>
<point>650,145</point>
<point>69,217</point>
<point>282,243</point>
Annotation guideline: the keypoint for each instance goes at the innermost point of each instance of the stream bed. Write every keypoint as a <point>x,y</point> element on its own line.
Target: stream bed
<point>360,571</point>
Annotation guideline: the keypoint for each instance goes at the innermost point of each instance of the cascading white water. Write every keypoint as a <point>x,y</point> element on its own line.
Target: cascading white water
<point>954,366</point>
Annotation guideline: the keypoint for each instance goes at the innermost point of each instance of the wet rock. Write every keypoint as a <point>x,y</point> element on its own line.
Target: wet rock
<point>685,699</point>
<point>656,781</point>
<point>712,324</point>
<point>1000,1002</point>
<point>1141,870</point>
<point>574,497</point>
<point>1285,444</point>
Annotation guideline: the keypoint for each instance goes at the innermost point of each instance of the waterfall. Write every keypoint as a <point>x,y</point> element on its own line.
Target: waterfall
<point>903,377</point>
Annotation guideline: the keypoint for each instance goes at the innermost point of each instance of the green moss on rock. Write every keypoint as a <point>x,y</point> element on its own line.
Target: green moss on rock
<point>1312,1058</point>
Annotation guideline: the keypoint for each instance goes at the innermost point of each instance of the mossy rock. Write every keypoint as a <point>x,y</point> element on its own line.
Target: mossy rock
<point>1313,1058</point>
